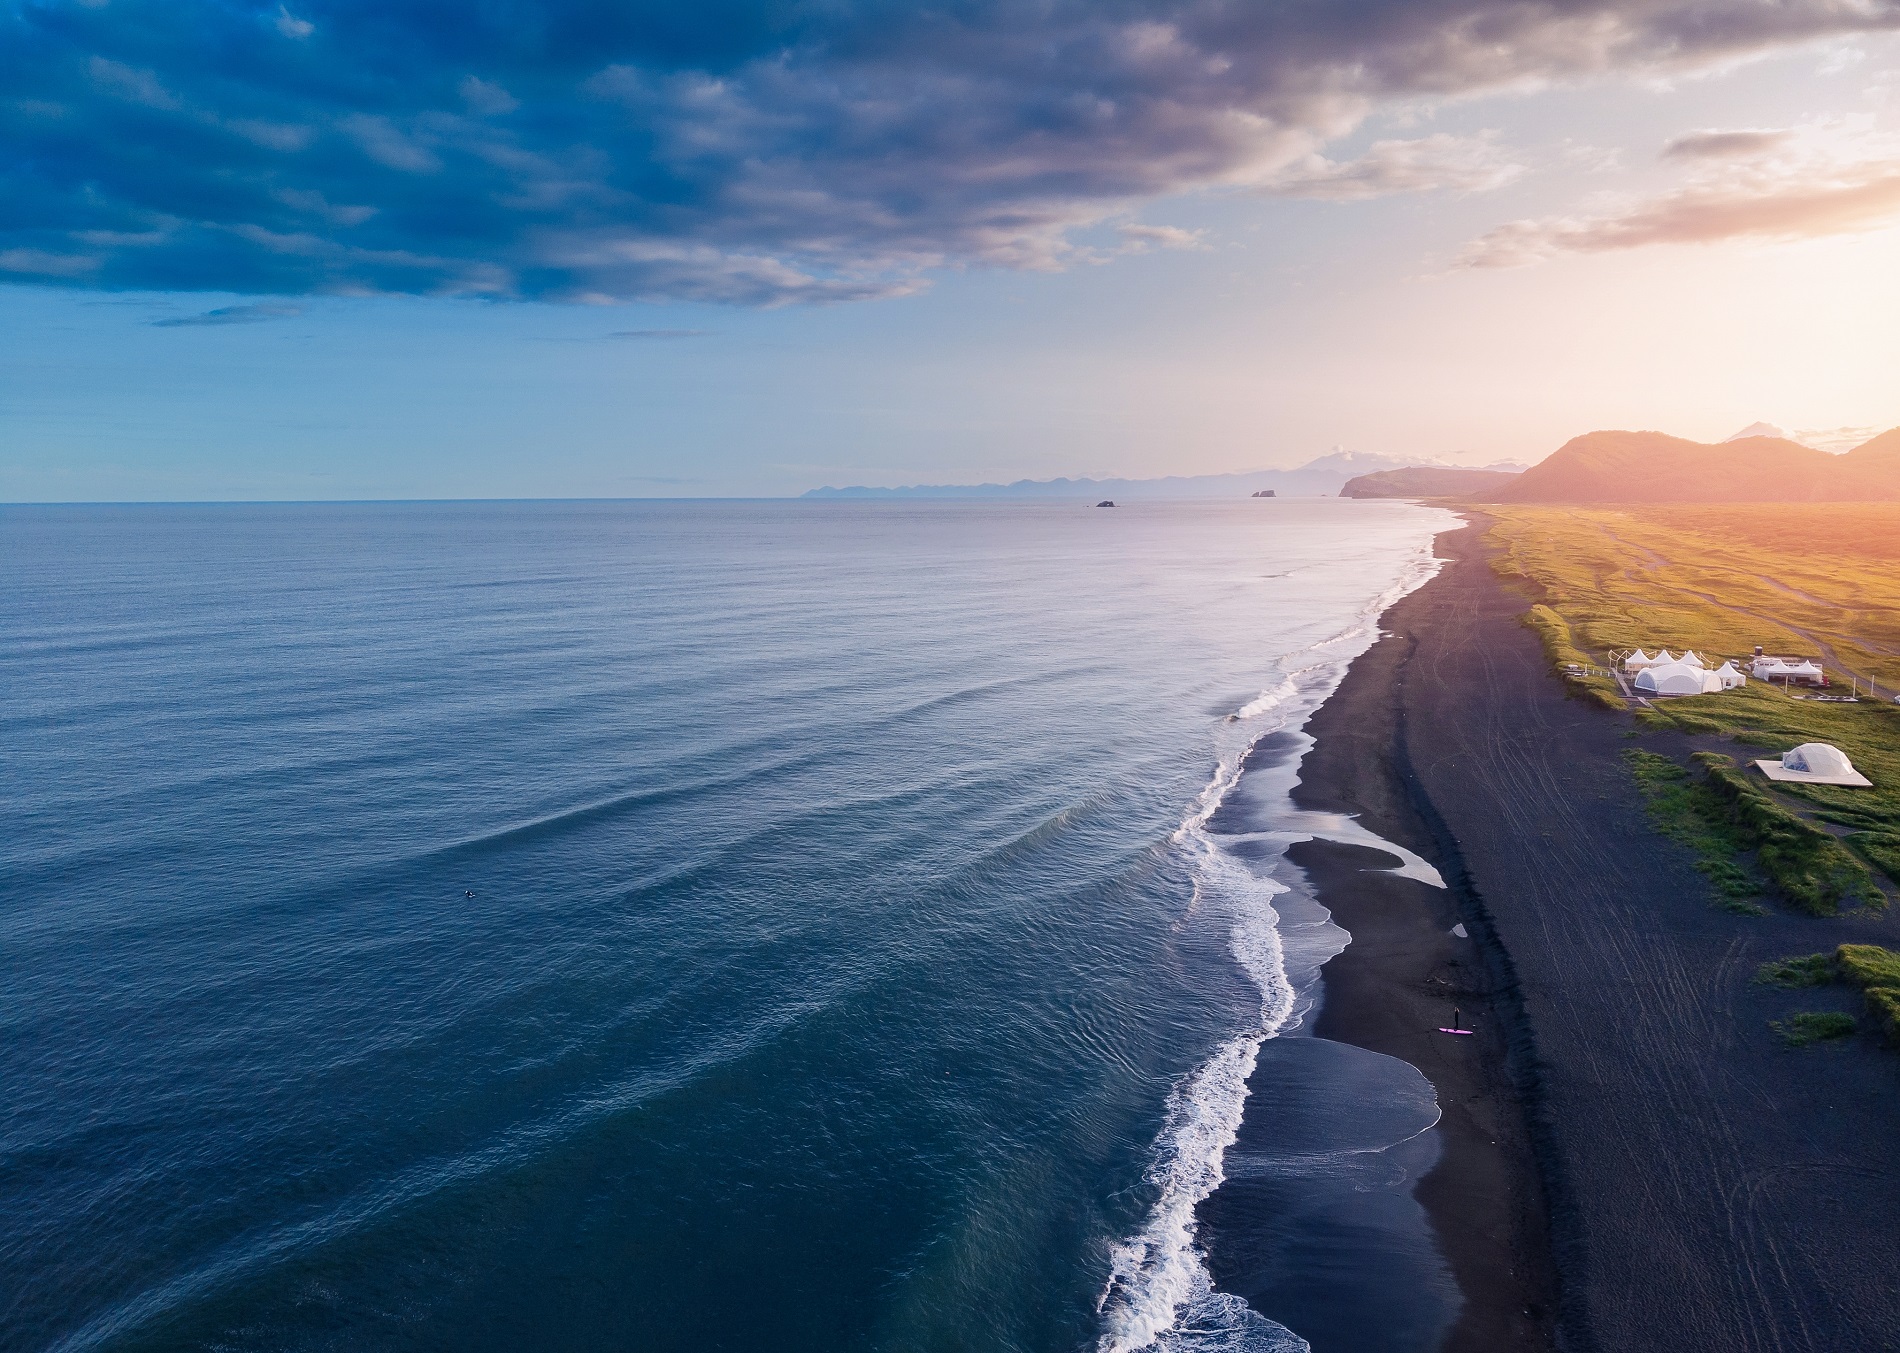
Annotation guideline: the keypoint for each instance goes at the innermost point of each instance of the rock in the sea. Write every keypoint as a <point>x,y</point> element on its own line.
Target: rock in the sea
<point>1265,493</point>
<point>1106,502</point>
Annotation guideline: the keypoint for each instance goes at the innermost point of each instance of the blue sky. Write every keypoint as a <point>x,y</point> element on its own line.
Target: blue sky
<point>512,249</point>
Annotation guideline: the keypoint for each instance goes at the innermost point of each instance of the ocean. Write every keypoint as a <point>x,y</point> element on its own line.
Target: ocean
<point>644,925</point>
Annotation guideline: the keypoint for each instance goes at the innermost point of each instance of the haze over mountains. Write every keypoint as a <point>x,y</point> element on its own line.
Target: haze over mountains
<point>1598,467</point>
<point>1326,475</point>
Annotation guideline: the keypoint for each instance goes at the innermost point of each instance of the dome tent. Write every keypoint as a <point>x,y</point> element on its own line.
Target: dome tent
<point>1675,678</point>
<point>1817,758</point>
<point>1815,763</point>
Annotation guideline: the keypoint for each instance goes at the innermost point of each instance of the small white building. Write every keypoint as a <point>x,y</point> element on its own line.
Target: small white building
<point>1814,763</point>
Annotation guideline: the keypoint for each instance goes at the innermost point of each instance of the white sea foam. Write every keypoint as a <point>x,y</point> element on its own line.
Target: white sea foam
<point>1159,1294</point>
<point>1270,700</point>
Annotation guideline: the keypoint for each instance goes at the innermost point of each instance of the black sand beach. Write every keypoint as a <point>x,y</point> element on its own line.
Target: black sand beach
<point>1630,1158</point>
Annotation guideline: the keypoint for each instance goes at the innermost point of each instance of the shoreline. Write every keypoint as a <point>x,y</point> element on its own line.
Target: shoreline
<point>1399,980</point>
<point>1631,1159</point>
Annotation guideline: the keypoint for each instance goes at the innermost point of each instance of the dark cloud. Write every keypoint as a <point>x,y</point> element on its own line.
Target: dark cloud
<point>1740,145</point>
<point>231,314</point>
<point>746,151</point>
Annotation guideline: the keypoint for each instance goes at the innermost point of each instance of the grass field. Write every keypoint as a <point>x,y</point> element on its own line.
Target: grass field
<point>1816,579</point>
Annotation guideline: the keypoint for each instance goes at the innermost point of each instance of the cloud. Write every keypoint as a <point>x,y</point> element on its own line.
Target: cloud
<point>755,152</point>
<point>1139,239</point>
<point>1786,197</point>
<point>291,26</point>
<point>659,333</point>
<point>1836,440</point>
<point>1725,145</point>
<point>256,313</point>
<point>1440,161</point>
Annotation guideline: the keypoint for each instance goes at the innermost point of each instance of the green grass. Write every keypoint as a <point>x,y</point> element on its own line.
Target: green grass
<point>1883,1003</point>
<point>1868,965</point>
<point>1808,866</point>
<point>1808,970</point>
<point>1684,809</point>
<point>1813,1026</point>
<point>1879,848</point>
<point>1876,971</point>
<point>1722,816</point>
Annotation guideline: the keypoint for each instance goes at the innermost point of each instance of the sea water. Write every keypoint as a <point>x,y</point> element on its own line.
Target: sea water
<point>783,926</point>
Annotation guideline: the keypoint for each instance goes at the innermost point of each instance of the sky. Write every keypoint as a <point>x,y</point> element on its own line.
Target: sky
<point>551,248</point>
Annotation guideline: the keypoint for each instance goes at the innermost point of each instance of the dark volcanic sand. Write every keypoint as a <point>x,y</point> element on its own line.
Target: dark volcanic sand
<point>1624,1109</point>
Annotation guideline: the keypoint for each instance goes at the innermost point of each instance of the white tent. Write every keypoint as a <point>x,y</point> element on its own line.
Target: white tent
<point>1637,661</point>
<point>1729,676</point>
<point>1770,669</point>
<point>1692,659</point>
<point>1673,678</point>
<point>1804,671</point>
<point>1662,658</point>
<point>1814,763</point>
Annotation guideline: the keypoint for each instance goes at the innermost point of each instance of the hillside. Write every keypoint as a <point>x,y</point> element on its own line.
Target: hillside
<point>1427,481</point>
<point>1651,467</point>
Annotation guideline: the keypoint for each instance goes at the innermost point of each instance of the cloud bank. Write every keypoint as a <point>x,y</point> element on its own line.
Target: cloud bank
<point>743,151</point>
<point>1761,185</point>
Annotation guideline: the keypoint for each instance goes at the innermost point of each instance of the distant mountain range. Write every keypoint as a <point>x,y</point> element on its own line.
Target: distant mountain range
<point>1327,475</point>
<point>1651,467</point>
<point>1428,481</point>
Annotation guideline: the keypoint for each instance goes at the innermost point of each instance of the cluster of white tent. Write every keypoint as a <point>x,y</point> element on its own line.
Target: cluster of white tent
<point>1665,674</point>
<point>1786,669</point>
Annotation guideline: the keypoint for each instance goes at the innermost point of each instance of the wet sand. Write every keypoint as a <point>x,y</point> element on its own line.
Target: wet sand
<point>1629,1159</point>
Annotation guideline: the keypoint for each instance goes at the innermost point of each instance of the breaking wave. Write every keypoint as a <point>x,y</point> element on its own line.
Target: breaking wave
<point>1159,1294</point>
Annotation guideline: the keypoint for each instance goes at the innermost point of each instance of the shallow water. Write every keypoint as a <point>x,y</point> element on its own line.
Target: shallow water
<point>672,925</point>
